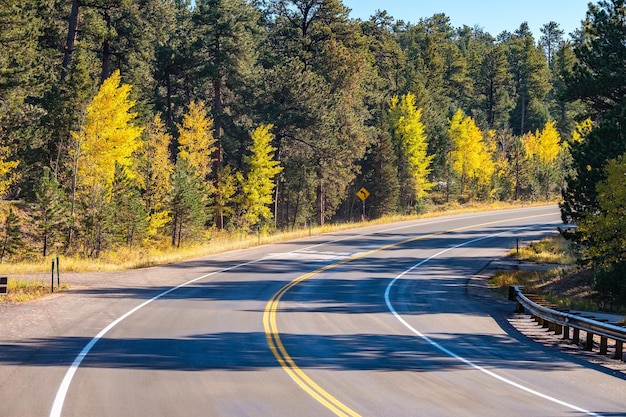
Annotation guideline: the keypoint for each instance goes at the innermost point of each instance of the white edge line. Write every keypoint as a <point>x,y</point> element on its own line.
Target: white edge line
<point>59,399</point>
<point>456,356</point>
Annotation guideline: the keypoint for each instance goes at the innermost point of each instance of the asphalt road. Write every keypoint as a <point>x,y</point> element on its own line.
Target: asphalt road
<point>380,321</point>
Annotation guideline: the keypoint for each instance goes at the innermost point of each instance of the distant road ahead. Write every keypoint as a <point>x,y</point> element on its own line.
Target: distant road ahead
<point>379,321</point>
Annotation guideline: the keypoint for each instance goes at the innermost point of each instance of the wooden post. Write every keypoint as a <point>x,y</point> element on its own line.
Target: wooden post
<point>589,342</point>
<point>603,345</point>
<point>619,350</point>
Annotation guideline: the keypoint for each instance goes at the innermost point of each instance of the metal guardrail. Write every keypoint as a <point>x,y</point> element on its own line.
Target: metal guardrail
<point>561,322</point>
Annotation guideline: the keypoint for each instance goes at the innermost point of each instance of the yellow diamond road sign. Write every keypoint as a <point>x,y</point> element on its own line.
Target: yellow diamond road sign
<point>363,194</point>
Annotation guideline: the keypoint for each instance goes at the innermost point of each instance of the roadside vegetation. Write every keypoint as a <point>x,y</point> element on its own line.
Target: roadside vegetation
<point>549,267</point>
<point>28,278</point>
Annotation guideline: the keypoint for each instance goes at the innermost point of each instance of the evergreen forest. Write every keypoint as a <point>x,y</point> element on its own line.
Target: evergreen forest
<point>138,123</point>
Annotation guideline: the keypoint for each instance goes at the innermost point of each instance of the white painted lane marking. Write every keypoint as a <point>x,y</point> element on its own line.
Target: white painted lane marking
<point>59,399</point>
<point>456,356</point>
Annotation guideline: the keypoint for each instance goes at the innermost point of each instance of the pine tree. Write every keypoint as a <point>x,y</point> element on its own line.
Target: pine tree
<point>531,76</point>
<point>597,79</point>
<point>50,211</point>
<point>493,84</point>
<point>11,235</point>
<point>187,206</point>
<point>130,220</point>
<point>382,179</point>
<point>604,232</point>
<point>258,184</point>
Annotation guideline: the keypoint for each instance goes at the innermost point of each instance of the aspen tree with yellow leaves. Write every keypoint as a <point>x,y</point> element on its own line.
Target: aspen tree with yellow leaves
<point>544,148</point>
<point>155,171</point>
<point>192,189</point>
<point>7,167</point>
<point>196,143</point>
<point>257,185</point>
<point>411,146</point>
<point>470,157</point>
<point>107,141</point>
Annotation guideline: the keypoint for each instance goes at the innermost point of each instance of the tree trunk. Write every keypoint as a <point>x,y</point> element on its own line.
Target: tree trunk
<point>72,33</point>
<point>523,118</point>
<point>320,198</point>
<point>217,122</point>
<point>106,51</point>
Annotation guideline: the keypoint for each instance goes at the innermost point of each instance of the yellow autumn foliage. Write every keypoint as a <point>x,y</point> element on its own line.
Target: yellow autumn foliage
<point>196,143</point>
<point>471,155</point>
<point>109,135</point>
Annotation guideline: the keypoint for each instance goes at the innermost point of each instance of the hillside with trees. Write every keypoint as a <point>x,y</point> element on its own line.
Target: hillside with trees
<point>138,123</point>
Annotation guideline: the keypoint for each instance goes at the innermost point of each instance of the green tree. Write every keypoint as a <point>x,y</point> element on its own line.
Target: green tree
<point>598,80</point>
<point>10,235</point>
<point>50,211</point>
<point>187,204</point>
<point>604,232</point>
<point>314,92</point>
<point>129,222</point>
<point>226,35</point>
<point>257,186</point>
<point>532,81</point>
<point>493,85</point>
<point>381,177</point>
<point>551,39</point>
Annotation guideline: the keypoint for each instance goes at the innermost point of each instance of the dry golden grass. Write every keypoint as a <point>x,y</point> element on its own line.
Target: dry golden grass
<point>125,258</point>
<point>20,290</point>
<point>552,250</point>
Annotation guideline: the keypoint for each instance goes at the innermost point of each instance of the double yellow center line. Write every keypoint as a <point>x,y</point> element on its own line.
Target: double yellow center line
<point>278,349</point>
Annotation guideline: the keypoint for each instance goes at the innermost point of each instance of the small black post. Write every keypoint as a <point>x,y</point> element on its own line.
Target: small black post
<point>58,273</point>
<point>52,282</point>
<point>517,246</point>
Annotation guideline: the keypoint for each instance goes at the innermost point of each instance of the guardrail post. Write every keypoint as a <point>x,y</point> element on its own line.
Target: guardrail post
<point>589,342</point>
<point>603,345</point>
<point>4,285</point>
<point>558,329</point>
<point>619,350</point>
<point>576,338</point>
<point>565,332</point>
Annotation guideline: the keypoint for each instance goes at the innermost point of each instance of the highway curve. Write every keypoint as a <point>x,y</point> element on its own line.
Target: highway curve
<point>377,321</point>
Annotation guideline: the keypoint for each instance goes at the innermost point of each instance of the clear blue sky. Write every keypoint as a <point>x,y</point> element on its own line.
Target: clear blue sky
<point>494,16</point>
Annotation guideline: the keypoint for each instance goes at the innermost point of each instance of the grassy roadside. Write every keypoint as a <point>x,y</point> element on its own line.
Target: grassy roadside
<point>22,287</point>
<point>552,273</point>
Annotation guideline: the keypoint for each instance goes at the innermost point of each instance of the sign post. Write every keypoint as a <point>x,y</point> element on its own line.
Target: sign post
<point>362,194</point>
